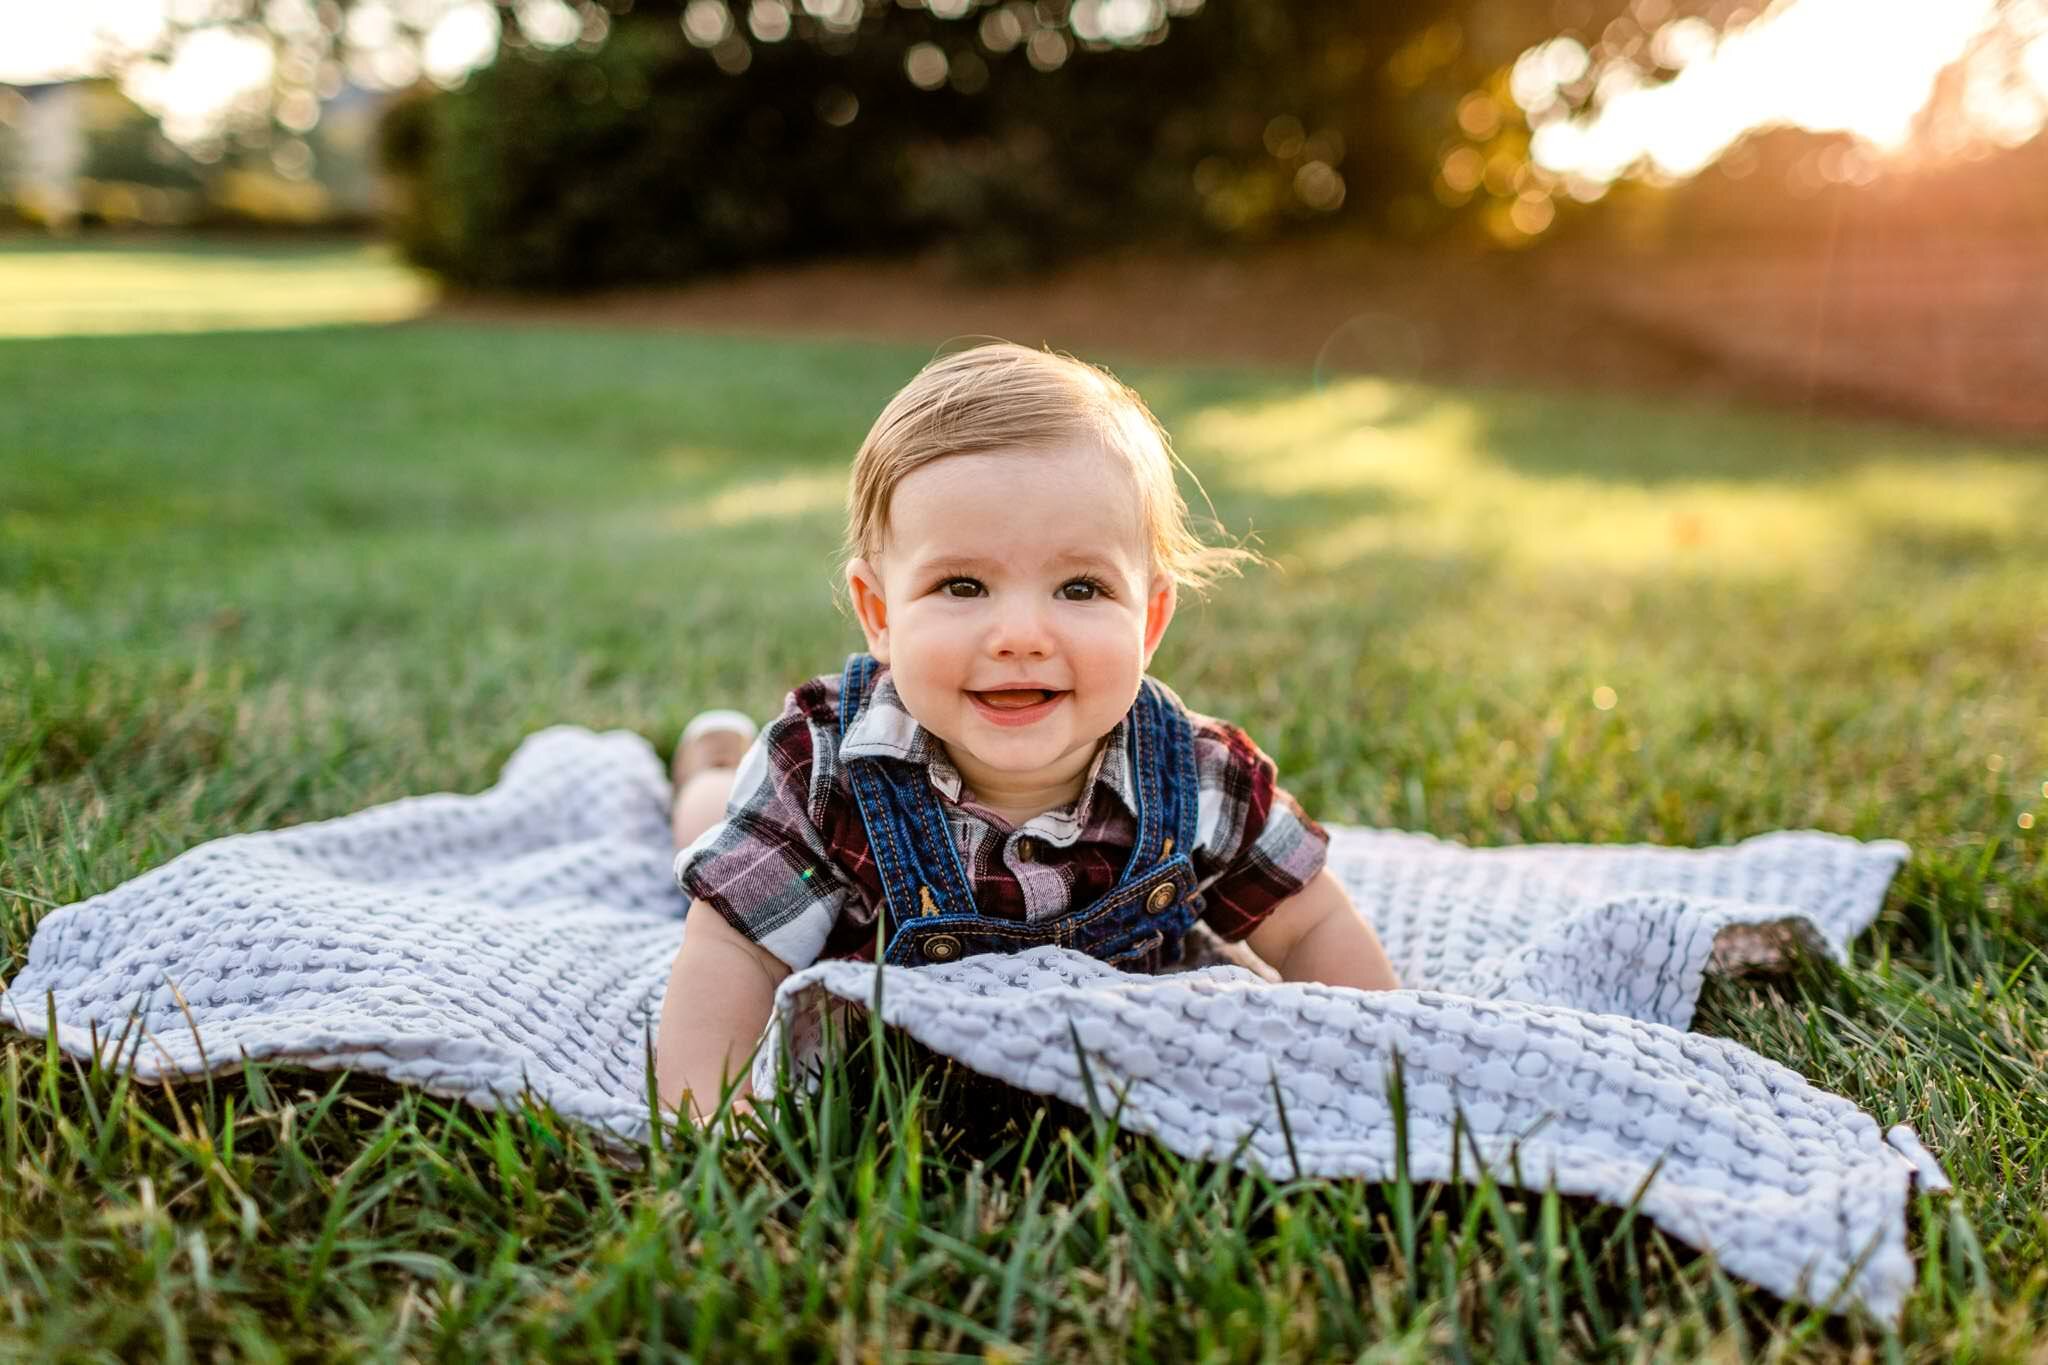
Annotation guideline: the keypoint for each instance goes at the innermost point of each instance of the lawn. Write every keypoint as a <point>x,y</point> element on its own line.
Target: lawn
<point>250,578</point>
<point>187,285</point>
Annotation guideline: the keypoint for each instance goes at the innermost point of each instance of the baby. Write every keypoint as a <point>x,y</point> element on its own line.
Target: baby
<point>997,772</point>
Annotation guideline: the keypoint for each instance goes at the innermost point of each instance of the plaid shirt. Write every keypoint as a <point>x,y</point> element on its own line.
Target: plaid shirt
<point>789,865</point>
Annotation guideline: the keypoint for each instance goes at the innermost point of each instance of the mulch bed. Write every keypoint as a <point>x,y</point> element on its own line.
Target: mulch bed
<point>1955,337</point>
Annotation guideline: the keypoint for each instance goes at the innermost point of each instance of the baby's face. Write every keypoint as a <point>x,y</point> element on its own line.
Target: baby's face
<point>1015,604</point>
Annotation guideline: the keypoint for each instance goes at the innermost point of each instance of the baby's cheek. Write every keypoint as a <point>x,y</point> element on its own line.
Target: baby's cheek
<point>1115,644</point>
<point>928,678</point>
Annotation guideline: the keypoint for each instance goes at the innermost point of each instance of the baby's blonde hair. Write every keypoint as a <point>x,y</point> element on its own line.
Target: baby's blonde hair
<point>1003,395</point>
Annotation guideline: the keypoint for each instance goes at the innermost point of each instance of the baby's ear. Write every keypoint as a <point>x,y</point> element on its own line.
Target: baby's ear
<point>1160,599</point>
<point>864,586</point>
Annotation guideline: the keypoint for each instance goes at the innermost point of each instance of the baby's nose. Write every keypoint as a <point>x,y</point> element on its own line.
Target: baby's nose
<point>1020,630</point>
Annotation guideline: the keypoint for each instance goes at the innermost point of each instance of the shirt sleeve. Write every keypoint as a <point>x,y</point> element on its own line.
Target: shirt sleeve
<point>766,867</point>
<point>1255,846</point>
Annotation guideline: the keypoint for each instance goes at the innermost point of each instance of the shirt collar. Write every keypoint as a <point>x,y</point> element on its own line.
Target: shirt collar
<point>886,729</point>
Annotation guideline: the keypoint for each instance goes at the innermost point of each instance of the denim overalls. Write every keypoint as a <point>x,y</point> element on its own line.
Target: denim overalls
<point>1138,925</point>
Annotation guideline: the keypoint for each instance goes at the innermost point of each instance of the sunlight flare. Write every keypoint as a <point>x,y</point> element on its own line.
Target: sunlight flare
<point>1864,67</point>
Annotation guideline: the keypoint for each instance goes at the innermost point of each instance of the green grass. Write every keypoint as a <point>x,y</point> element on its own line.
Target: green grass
<point>98,287</point>
<point>249,579</point>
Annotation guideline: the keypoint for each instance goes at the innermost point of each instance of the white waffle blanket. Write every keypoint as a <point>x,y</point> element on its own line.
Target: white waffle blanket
<point>520,940</point>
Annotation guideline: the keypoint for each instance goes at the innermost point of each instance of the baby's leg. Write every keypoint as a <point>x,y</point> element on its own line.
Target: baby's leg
<point>700,803</point>
<point>707,758</point>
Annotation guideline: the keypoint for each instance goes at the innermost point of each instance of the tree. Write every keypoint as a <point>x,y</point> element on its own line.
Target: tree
<point>609,140</point>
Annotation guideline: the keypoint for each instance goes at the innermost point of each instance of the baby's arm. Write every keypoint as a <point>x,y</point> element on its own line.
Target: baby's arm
<point>1317,934</point>
<point>719,994</point>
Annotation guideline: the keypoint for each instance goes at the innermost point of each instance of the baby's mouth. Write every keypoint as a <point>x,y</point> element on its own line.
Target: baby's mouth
<point>1016,699</point>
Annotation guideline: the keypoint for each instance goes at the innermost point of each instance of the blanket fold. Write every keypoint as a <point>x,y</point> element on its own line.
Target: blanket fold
<point>518,941</point>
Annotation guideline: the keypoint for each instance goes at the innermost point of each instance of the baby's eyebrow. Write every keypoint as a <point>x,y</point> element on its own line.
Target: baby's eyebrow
<point>971,564</point>
<point>1085,559</point>
<point>961,564</point>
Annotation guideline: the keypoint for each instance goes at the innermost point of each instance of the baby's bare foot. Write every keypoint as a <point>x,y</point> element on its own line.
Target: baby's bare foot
<point>714,739</point>
<point>709,751</point>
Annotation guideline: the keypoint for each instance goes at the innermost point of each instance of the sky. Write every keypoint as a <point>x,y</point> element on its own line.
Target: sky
<point>43,40</point>
<point>1865,67</point>
<point>1861,66</point>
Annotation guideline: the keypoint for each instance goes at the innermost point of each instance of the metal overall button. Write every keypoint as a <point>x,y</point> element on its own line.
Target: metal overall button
<point>1161,897</point>
<point>942,947</point>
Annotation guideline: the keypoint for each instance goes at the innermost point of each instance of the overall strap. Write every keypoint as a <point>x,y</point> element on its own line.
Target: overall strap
<point>853,688</point>
<point>907,832</point>
<point>1162,751</point>
<point>1143,921</point>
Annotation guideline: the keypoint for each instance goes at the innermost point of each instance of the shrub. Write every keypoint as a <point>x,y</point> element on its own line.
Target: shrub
<point>647,157</point>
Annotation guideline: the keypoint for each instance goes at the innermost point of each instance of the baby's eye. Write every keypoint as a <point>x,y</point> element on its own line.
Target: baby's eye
<point>1083,589</point>
<point>962,587</point>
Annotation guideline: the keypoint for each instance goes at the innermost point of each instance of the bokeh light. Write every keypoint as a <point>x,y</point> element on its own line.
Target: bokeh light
<point>1371,345</point>
<point>1864,67</point>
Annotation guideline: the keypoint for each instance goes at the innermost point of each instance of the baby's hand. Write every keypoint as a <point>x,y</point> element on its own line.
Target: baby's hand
<point>741,1105</point>
<point>720,993</point>
<point>1318,935</point>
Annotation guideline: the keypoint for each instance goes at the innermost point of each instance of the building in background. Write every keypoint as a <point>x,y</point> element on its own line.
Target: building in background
<point>42,151</point>
<point>81,152</point>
